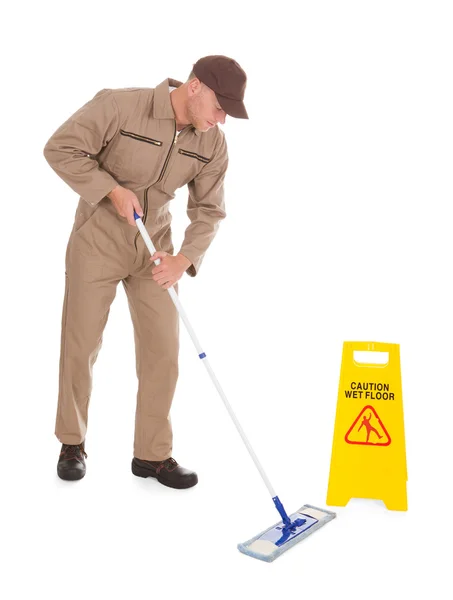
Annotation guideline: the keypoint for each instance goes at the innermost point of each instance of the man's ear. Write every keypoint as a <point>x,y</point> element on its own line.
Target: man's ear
<point>194,86</point>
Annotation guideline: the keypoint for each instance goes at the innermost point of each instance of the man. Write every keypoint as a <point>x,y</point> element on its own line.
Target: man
<point>129,149</point>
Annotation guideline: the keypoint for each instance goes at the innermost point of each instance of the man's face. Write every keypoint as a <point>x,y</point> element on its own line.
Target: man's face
<point>203,108</point>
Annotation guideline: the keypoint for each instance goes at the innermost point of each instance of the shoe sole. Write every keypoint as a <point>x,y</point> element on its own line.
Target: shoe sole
<point>71,475</point>
<point>142,472</point>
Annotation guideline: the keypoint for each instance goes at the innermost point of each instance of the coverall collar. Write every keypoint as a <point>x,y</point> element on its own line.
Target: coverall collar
<point>163,108</point>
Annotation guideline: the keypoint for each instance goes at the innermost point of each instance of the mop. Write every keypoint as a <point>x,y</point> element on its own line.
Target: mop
<point>272,542</point>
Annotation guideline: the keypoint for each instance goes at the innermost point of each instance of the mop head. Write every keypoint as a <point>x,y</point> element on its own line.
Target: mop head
<point>272,542</point>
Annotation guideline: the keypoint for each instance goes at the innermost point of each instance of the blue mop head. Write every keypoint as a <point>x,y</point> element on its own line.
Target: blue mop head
<point>269,544</point>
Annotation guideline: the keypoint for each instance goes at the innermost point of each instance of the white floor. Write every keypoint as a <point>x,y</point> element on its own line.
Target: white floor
<point>113,535</point>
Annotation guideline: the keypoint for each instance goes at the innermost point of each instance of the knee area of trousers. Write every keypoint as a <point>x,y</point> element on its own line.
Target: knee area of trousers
<point>167,363</point>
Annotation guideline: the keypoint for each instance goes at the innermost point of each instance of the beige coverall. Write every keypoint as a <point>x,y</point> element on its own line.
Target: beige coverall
<point>128,136</point>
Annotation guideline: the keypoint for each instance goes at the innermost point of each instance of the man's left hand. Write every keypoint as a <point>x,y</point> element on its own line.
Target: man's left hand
<point>170,269</point>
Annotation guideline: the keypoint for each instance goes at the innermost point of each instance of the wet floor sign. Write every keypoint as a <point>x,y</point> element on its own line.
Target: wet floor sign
<point>368,452</point>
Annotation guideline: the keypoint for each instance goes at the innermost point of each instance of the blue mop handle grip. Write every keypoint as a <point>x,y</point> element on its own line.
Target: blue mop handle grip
<point>279,506</point>
<point>136,216</point>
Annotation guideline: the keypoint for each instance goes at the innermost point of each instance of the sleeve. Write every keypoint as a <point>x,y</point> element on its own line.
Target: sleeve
<point>206,207</point>
<point>85,133</point>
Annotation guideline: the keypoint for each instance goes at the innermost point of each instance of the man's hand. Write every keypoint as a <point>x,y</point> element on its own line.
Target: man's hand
<point>125,202</point>
<point>170,269</point>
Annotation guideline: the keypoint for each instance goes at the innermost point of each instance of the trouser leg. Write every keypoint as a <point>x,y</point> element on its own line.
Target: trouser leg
<point>95,263</point>
<point>85,313</point>
<point>156,331</point>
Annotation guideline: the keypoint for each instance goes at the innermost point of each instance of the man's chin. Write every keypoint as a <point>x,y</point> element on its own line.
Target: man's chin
<point>203,126</point>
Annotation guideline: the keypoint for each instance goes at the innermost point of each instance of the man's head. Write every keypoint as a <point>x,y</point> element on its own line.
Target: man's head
<point>214,89</point>
<point>203,108</point>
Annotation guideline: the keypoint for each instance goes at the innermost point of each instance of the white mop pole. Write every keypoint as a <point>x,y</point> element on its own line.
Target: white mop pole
<point>202,355</point>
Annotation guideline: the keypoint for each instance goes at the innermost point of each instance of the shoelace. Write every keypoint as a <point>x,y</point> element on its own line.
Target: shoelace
<point>170,464</point>
<point>71,451</point>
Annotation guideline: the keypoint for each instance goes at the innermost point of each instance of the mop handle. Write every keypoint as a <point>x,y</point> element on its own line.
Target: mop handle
<point>202,355</point>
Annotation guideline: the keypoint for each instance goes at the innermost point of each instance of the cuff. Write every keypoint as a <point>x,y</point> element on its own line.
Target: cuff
<point>100,191</point>
<point>194,258</point>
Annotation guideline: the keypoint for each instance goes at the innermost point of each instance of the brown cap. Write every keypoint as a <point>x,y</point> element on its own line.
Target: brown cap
<point>227,79</point>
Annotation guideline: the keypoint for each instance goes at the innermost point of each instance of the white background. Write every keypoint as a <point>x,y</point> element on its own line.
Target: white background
<point>339,198</point>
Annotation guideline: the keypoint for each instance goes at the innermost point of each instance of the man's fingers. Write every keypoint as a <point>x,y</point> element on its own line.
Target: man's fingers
<point>127,216</point>
<point>130,216</point>
<point>138,209</point>
<point>160,278</point>
<point>158,254</point>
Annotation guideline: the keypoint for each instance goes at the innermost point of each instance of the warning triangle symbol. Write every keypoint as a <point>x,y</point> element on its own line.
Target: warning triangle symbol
<point>368,429</point>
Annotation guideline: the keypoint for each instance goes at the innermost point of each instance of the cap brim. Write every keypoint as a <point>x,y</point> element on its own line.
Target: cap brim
<point>234,108</point>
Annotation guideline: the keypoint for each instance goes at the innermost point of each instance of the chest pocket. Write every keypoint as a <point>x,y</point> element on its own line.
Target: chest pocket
<point>202,159</point>
<point>187,166</point>
<point>136,157</point>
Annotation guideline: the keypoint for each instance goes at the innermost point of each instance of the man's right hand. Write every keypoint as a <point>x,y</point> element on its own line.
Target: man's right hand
<point>125,202</point>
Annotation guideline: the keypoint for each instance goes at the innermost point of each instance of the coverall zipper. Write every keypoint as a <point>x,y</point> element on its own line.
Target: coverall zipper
<point>168,157</point>
<point>145,207</point>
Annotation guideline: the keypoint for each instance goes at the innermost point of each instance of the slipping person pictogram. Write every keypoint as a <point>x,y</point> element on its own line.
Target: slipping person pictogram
<point>369,428</point>
<point>355,435</point>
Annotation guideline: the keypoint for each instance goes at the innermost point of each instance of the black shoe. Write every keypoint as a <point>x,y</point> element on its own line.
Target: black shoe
<point>167,472</point>
<point>71,464</point>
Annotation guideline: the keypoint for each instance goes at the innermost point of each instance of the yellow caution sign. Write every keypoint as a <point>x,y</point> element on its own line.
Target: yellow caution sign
<point>369,452</point>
